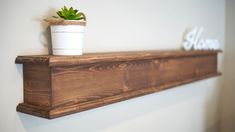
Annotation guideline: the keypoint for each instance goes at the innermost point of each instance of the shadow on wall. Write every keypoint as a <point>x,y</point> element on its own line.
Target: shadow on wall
<point>45,39</point>
<point>112,115</point>
<point>45,36</point>
<point>212,113</point>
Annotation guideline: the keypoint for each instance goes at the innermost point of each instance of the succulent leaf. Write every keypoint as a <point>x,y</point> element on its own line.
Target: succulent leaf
<point>70,14</point>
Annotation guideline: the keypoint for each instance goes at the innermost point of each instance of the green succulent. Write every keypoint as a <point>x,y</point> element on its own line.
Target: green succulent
<point>70,14</point>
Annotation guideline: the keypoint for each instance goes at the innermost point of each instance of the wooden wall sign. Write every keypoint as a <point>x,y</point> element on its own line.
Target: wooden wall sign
<point>55,86</point>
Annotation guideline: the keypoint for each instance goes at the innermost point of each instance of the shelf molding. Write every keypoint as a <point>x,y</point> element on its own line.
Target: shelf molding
<point>56,86</point>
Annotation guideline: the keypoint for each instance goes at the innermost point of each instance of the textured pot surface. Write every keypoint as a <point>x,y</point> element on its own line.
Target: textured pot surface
<point>67,39</point>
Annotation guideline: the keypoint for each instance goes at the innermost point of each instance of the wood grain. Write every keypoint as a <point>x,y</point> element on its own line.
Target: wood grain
<point>55,86</point>
<point>53,60</point>
<point>37,85</point>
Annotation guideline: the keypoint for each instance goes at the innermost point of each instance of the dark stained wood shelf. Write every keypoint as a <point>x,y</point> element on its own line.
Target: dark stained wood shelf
<point>55,86</point>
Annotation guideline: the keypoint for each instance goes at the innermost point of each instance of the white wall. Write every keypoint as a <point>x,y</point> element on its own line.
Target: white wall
<point>114,25</point>
<point>228,105</point>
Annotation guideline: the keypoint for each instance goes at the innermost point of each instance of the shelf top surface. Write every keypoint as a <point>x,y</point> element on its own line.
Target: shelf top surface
<point>56,60</point>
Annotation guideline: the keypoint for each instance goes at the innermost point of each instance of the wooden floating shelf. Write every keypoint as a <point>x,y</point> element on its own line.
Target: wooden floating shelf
<point>56,86</point>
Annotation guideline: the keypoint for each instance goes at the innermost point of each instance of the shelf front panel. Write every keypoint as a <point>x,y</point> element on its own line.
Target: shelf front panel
<point>77,84</point>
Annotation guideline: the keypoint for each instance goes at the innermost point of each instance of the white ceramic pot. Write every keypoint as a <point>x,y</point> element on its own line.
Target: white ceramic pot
<point>67,39</point>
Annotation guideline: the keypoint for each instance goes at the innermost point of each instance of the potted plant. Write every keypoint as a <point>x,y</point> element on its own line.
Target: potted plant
<point>67,31</point>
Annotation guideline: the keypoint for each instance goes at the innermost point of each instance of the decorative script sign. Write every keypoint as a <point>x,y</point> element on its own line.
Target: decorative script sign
<point>193,41</point>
